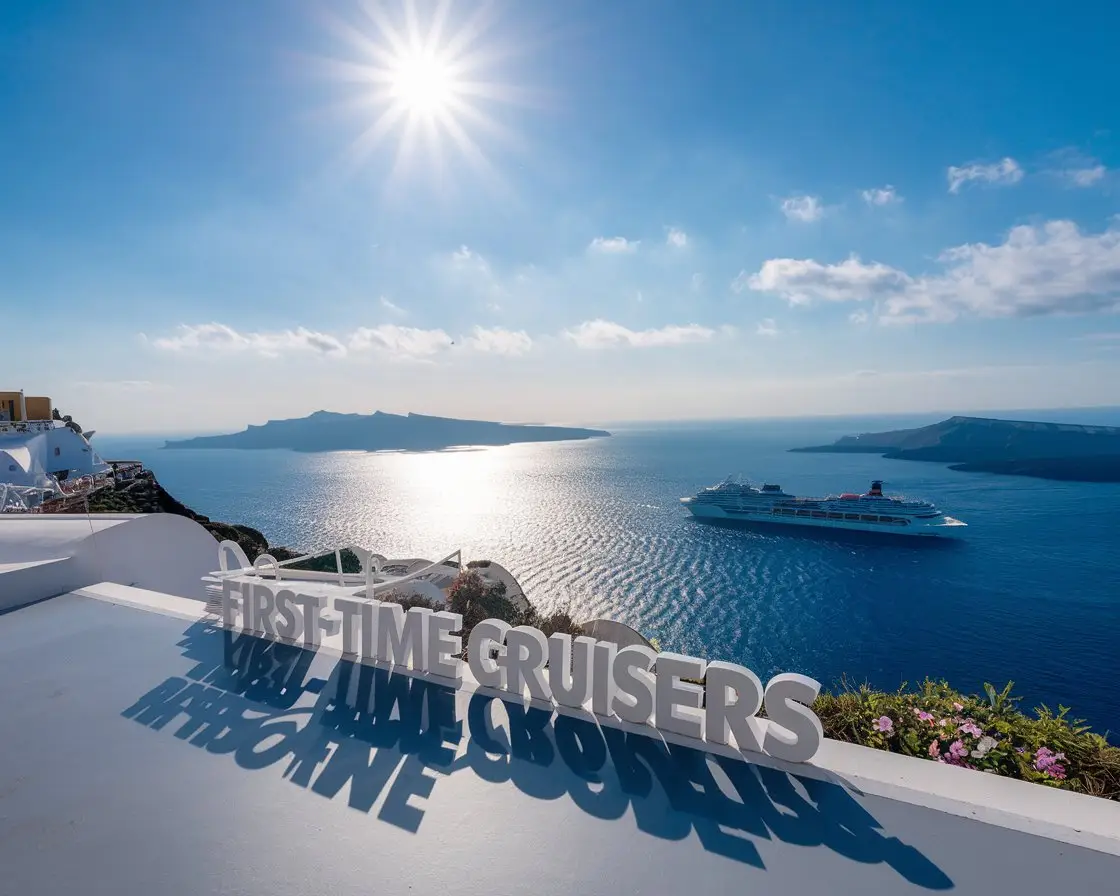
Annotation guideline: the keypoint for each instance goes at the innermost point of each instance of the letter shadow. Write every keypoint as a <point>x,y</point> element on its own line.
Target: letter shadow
<point>384,732</point>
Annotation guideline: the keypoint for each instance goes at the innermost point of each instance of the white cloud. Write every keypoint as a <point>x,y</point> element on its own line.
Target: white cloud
<point>677,238</point>
<point>881,195</point>
<point>388,339</point>
<point>767,327</point>
<point>1085,177</point>
<point>801,281</point>
<point>600,333</point>
<point>466,256</point>
<point>499,341</point>
<point>219,337</point>
<point>1006,172</point>
<point>392,308</point>
<point>1050,269</point>
<point>124,385</point>
<point>697,282</point>
<point>802,208</point>
<point>613,245</point>
<point>408,342</point>
<point>859,317</point>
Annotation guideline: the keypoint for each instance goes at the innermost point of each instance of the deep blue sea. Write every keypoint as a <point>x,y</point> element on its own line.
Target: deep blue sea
<point>596,528</point>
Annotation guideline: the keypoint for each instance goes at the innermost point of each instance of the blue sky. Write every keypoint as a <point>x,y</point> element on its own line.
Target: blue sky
<point>612,210</point>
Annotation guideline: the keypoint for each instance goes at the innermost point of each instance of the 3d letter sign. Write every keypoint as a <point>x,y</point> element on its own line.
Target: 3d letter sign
<point>633,684</point>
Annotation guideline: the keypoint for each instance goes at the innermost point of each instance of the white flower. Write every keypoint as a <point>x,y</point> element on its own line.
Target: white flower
<point>985,745</point>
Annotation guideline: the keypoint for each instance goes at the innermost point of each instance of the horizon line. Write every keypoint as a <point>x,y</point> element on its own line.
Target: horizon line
<point>634,423</point>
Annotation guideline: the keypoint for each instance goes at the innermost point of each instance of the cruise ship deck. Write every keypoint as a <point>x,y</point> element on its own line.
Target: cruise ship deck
<point>149,750</point>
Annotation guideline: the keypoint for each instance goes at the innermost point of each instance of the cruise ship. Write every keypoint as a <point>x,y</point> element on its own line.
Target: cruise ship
<point>734,500</point>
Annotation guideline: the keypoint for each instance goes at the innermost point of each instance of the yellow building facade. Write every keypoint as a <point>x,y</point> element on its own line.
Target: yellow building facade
<point>13,406</point>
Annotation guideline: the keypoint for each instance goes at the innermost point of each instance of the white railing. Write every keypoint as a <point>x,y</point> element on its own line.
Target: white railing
<point>83,484</point>
<point>267,566</point>
<point>8,427</point>
<point>23,499</point>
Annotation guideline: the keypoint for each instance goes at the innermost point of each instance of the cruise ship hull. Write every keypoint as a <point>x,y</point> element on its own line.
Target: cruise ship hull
<point>941,527</point>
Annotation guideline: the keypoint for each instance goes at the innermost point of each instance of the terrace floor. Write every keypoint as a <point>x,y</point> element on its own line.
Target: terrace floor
<point>145,753</point>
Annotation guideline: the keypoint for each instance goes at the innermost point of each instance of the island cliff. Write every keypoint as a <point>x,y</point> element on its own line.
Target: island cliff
<point>328,431</point>
<point>980,444</point>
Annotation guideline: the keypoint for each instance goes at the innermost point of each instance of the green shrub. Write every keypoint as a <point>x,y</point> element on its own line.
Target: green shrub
<point>988,733</point>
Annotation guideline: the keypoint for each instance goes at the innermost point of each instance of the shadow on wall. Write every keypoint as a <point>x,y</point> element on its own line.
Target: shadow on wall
<point>361,724</point>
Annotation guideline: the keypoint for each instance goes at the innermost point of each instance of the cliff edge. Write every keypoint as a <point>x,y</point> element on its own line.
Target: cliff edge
<point>1062,451</point>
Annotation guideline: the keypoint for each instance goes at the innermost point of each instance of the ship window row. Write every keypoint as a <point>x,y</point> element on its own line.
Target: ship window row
<point>835,515</point>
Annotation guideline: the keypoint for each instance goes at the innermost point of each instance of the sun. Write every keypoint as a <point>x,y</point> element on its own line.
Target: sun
<point>423,81</point>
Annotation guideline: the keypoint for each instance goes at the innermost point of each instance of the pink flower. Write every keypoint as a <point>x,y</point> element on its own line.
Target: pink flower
<point>924,716</point>
<point>972,728</point>
<point>1057,771</point>
<point>884,724</point>
<point>958,706</point>
<point>1045,759</point>
<point>935,748</point>
<point>958,750</point>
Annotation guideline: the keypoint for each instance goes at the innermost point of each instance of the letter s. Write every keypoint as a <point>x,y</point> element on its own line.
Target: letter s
<point>794,733</point>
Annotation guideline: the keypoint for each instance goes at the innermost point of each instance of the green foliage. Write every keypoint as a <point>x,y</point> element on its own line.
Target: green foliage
<point>327,563</point>
<point>409,601</point>
<point>987,733</point>
<point>476,599</point>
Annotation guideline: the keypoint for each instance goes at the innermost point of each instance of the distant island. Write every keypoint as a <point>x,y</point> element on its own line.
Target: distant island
<point>328,431</point>
<point>1061,451</point>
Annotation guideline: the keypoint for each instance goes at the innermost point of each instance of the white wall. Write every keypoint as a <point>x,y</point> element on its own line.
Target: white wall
<point>25,583</point>
<point>158,551</point>
<point>48,536</point>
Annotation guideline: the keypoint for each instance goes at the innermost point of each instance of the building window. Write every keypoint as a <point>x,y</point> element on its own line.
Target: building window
<point>57,452</point>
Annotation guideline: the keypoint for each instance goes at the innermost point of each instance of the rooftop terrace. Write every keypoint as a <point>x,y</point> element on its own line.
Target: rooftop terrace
<point>174,756</point>
<point>147,749</point>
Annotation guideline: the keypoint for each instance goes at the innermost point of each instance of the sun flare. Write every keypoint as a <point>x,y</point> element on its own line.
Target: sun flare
<point>424,82</point>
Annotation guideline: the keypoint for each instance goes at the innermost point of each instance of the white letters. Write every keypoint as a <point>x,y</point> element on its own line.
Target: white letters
<point>403,636</point>
<point>311,607</point>
<point>369,630</point>
<point>633,699</point>
<point>290,621</point>
<point>673,694</point>
<point>264,605</point>
<point>231,599</point>
<point>487,634</point>
<point>602,679</point>
<point>633,683</point>
<point>569,677</point>
<point>526,649</point>
<point>795,732</point>
<point>442,645</point>
<point>350,610</point>
<point>725,716</point>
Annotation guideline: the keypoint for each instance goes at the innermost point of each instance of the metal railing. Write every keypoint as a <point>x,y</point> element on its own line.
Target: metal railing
<point>267,566</point>
<point>7,427</point>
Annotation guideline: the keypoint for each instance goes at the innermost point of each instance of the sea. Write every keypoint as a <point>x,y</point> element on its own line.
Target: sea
<point>595,528</point>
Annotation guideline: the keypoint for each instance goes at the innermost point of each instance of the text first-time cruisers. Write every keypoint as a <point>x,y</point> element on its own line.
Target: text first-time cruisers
<point>732,500</point>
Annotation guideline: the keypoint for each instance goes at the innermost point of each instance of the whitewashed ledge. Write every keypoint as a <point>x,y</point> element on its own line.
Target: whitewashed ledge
<point>1075,819</point>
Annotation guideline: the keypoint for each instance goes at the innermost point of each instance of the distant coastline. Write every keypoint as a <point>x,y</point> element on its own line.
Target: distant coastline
<point>328,431</point>
<point>1057,451</point>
